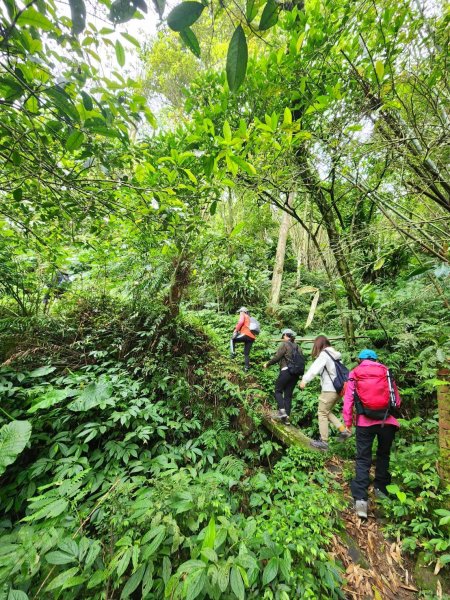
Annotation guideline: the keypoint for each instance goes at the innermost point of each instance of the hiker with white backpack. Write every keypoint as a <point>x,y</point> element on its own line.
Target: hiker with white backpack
<point>333,374</point>
<point>372,395</point>
<point>245,332</point>
<point>292,366</point>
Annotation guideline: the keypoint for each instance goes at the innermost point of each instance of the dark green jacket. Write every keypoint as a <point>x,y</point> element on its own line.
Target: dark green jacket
<point>283,354</point>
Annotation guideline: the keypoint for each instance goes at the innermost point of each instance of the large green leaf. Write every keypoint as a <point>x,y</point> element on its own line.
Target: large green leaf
<point>269,16</point>
<point>63,102</point>
<point>237,58</point>
<point>194,583</point>
<point>191,41</point>
<point>120,53</point>
<point>32,17</point>
<point>17,595</point>
<point>14,437</point>
<point>75,140</point>
<point>42,371</point>
<point>78,13</point>
<point>92,395</point>
<point>50,398</point>
<point>184,15</point>
<point>133,582</point>
<point>237,584</point>
<point>251,10</point>
<point>270,570</point>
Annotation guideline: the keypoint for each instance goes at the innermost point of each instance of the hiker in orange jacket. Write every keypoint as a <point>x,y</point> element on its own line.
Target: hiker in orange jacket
<point>243,335</point>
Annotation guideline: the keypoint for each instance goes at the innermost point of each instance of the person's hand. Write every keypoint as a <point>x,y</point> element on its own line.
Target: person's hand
<point>302,385</point>
<point>234,336</point>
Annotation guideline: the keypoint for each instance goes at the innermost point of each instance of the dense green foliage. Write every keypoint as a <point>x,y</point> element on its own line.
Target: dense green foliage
<point>302,143</point>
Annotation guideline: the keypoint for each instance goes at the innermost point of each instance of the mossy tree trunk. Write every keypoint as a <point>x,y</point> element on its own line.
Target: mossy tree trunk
<point>288,435</point>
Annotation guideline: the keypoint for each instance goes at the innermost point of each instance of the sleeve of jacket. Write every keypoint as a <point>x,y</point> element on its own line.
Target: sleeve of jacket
<point>240,323</point>
<point>347,409</point>
<point>278,355</point>
<point>316,368</point>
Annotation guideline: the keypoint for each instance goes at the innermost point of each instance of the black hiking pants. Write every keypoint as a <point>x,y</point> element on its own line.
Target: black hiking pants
<point>284,388</point>
<point>248,342</point>
<point>364,442</point>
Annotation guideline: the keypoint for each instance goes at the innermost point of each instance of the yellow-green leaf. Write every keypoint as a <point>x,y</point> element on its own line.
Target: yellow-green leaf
<point>379,68</point>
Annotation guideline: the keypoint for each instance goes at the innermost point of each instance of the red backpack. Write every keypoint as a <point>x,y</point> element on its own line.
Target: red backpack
<point>374,391</point>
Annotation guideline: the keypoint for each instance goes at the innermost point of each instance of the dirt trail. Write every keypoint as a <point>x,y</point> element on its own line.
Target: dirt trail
<point>374,566</point>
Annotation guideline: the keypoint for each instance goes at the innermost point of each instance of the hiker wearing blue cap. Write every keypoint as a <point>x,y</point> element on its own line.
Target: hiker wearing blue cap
<point>372,394</point>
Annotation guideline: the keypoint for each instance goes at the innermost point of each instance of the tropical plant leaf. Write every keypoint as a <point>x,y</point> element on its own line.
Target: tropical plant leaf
<point>32,17</point>
<point>14,437</point>
<point>251,10</point>
<point>75,140</point>
<point>120,53</point>
<point>237,58</point>
<point>42,371</point>
<point>184,15</point>
<point>191,41</point>
<point>269,15</point>
<point>237,584</point>
<point>50,398</point>
<point>92,395</point>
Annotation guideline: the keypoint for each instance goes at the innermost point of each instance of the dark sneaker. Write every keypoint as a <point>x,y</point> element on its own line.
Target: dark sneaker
<point>361,508</point>
<point>380,494</point>
<point>286,420</point>
<point>319,444</point>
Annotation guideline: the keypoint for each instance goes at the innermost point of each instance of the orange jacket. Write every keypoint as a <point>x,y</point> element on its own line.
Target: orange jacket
<point>243,326</point>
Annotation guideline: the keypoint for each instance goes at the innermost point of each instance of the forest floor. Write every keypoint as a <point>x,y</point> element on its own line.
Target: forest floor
<point>374,566</point>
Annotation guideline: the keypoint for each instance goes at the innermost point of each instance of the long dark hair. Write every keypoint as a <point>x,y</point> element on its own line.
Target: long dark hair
<point>320,343</point>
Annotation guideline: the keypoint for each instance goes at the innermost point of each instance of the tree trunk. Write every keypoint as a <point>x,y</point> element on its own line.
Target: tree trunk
<point>313,186</point>
<point>288,435</point>
<point>277,276</point>
<point>443,396</point>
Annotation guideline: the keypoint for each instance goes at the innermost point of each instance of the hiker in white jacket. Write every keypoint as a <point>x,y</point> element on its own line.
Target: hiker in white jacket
<point>323,365</point>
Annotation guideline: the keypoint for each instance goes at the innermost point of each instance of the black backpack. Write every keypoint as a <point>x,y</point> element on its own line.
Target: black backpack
<point>296,364</point>
<point>342,374</point>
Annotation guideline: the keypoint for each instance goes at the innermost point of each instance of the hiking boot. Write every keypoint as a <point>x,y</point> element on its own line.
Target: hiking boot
<point>286,420</point>
<point>380,494</point>
<point>246,369</point>
<point>319,444</point>
<point>361,508</point>
<point>344,435</point>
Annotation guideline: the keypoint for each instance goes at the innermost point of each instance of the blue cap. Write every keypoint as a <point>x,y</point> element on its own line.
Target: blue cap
<point>366,353</point>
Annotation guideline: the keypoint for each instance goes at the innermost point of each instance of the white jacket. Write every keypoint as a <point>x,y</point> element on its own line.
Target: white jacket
<point>323,366</point>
